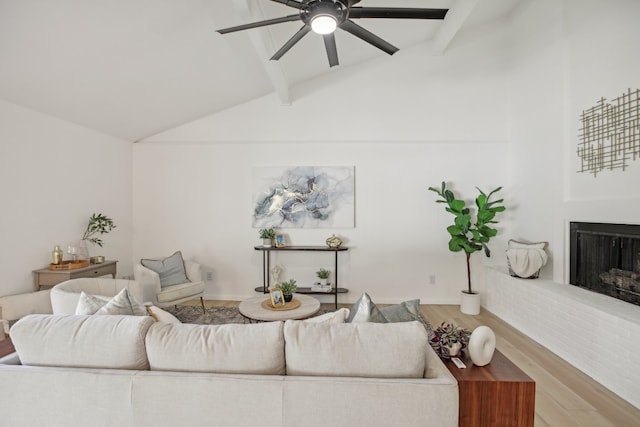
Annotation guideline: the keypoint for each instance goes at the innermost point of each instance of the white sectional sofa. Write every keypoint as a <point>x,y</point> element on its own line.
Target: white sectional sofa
<point>131,371</point>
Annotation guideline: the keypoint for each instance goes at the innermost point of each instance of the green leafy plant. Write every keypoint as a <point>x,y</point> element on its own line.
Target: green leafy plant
<point>267,233</point>
<point>322,273</point>
<point>467,234</point>
<point>288,288</point>
<point>98,224</point>
<point>447,334</point>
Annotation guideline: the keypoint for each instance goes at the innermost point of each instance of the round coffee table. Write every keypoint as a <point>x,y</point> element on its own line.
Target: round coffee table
<point>252,309</point>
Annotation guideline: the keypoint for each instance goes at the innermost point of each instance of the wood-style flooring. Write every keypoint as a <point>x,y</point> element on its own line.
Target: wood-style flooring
<point>565,397</point>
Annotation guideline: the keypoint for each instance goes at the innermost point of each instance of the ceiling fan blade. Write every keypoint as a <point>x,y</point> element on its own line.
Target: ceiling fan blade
<point>366,35</point>
<point>397,13</point>
<point>290,3</point>
<point>289,44</point>
<point>288,18</point>
<point>332,50</point>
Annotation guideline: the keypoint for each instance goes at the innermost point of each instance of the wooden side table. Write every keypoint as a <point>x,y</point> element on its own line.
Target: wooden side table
<point>498,394</point>
<point>6,346</point>
<point>45,278</point>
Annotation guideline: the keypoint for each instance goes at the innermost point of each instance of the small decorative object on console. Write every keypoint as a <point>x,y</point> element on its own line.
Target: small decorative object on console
<point>319,287</point>
<point>334,241</point>
<point>481,346</point>
<point>323,275</point>
<point>57,255</point>
<point>449,339</point>
<point>267,235</point>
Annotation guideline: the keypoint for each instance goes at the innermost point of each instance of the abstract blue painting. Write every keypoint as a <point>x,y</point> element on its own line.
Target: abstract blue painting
<point>303,197</point>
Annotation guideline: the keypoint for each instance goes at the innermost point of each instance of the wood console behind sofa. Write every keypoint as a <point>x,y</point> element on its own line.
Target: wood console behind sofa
<point>498,394</point>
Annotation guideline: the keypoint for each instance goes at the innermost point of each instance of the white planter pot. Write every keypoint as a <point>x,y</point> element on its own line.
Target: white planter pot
<point>469,303</point>
<point>323,282</point>
<point>266,243</point>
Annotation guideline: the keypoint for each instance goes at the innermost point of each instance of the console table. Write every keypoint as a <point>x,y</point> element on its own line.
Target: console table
<point>266,268</point>
<point>45,278</point>
<point>498,394</point>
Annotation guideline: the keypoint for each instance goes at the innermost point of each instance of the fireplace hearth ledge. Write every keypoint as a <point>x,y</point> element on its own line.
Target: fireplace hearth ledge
<point>595,333</point>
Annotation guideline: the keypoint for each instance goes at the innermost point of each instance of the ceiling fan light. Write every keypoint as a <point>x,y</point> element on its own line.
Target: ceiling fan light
<point>323,24</point>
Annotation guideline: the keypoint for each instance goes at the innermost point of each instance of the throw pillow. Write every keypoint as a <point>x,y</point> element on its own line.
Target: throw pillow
<point>89,304</point>
<point>123,303</point>
<point>339,316</point>
<point>171,269</point>
<point>364,310</point>
<point>407,311</point>
<point>160,315</point>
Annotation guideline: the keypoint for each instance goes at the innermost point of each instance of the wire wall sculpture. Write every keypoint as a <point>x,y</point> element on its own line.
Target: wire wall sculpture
<point>610,134</point>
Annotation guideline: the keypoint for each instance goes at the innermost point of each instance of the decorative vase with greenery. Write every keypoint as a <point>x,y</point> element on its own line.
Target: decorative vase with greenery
<point>267,235</point>
<point>98,224</point>
<point>467,234</point>
<point>449,340</point>
<point>288,288</point>
<point>323,275</point>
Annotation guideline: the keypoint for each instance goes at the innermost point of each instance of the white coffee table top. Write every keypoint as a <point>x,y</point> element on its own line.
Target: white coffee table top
<point>252,308</point>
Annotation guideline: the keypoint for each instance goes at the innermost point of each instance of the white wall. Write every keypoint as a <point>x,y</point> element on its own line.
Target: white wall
<point>405,123</point>
<point>565,55</point>
<point>197,198</point>
<point>53,176</point>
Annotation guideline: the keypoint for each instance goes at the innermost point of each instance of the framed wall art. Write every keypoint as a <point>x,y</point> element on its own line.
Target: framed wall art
<point>303,197</point>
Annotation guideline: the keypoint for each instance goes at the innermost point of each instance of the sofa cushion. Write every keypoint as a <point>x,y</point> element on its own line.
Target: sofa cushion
<point>170,294</point>
<point>111,342</point>
<point>231,348</point>
<point>391,350</point>
<point>170,269</point>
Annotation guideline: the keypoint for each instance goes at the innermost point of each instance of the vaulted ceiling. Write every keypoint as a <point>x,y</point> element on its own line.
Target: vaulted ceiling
<point>133,68</point>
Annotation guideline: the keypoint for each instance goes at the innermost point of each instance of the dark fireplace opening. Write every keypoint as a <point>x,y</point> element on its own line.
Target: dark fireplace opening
<point>605,258</point>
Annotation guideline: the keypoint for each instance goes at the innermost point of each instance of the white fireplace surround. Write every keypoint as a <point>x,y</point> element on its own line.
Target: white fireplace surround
<point>595,333</point>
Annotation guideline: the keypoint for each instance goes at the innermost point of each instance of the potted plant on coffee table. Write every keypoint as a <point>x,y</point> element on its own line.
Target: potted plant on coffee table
<point>288,288</point>
<point>470,235</point>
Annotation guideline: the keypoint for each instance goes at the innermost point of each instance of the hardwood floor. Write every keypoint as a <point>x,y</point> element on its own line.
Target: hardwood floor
<point>565,397</point>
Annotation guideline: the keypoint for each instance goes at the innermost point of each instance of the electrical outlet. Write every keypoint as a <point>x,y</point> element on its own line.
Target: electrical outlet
<point>209,276</point>
<point>432,279</point>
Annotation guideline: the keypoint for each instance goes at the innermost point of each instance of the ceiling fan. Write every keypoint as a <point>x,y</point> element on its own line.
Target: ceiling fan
<point>324,16</point>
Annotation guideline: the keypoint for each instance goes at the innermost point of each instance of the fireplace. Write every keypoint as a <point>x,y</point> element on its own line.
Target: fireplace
<point>605,258</point>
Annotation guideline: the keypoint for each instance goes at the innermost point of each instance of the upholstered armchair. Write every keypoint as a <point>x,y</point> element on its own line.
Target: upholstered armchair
<point>171,281</point>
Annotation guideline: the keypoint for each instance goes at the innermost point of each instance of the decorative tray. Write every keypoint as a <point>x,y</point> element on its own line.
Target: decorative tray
<point>69,265</point>
<point>287,305</point>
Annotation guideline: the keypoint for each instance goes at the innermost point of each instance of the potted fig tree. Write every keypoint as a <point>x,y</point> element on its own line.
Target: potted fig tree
<point>469,234</point>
